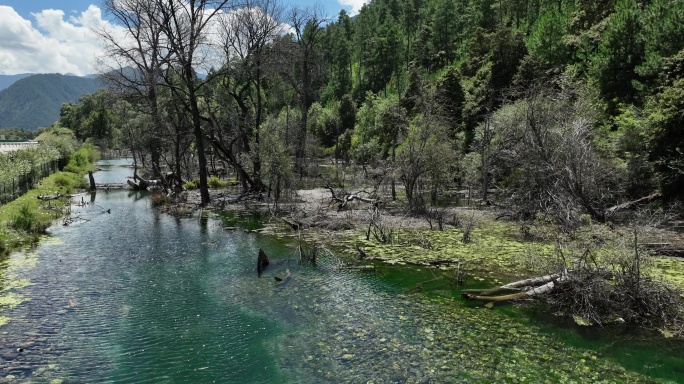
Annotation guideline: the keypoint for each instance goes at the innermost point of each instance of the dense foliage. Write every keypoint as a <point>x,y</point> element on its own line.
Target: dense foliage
<point>436,94</point>
<point>24,220</point>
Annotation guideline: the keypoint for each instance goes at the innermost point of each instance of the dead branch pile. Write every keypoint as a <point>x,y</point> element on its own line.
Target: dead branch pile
<point>591,293</point>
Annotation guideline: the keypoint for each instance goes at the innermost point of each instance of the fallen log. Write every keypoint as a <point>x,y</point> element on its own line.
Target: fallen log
<point>521,289</point>
<point>630,204</point>
<point>50,197</point>
<point>349,197</point>
<point>663,249</point>
<point>294,224</point>
<point>141,184</point>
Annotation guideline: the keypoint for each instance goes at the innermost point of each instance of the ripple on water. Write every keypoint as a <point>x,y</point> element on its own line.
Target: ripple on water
<point>135,296</point>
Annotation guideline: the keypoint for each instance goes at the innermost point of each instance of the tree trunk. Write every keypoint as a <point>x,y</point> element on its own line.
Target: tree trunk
<point>91,178</point>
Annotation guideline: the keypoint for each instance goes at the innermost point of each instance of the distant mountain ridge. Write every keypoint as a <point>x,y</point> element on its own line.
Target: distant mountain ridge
<point>7,80</point>
<point>35,101</point>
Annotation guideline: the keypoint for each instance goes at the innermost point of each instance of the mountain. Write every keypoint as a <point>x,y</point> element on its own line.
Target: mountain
<point>7,80</point>
<point>35,101</point>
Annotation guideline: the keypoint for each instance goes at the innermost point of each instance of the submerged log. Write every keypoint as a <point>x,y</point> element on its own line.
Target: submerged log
<point>283,280</point>
<point>262,261</point>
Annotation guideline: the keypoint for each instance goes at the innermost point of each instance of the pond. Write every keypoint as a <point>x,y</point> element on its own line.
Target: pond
<point>135,295</point>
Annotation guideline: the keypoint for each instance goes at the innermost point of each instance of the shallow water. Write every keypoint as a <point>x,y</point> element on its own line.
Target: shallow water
<point>138,296</point>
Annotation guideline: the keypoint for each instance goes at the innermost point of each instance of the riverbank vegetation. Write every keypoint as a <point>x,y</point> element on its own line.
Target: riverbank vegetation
<point>562,116</point>
<point>24,220</point>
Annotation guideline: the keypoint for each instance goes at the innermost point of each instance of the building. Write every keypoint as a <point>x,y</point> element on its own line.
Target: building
<point>15,145</point>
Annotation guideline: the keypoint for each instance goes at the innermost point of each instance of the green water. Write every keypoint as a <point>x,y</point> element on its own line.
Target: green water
<point>135,296</point>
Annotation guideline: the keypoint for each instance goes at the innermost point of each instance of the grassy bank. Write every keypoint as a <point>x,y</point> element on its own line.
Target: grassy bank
<point>24,220</point>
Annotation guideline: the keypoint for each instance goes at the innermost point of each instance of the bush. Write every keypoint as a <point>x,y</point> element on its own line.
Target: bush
<point>78,162</point>
<point>81,161</point>
<point>215,182</point>
<point>159,199</point>
<point>192,184</point>
<point>27,221</point>
<point>61,180</point>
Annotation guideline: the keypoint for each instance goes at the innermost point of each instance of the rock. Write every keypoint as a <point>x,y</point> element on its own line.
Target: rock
<point>9,356</point>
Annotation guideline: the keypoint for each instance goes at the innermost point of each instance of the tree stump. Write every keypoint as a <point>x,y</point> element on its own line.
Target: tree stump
<point>262,262</point>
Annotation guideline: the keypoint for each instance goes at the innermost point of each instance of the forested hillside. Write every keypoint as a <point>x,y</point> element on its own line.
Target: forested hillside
<point>567,106</point>
<point>35,101</point>
<point>7,80</point>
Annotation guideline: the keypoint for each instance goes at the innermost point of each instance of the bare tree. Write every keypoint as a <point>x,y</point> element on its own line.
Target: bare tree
<point>139,58</point>
<point>303,66</point>
<point>185,26</point>
<point>543,150</point>
<point>246,37</point>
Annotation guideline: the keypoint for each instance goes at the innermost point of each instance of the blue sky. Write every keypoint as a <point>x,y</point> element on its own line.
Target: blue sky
<point>55,36</point>
<point>71,7</point>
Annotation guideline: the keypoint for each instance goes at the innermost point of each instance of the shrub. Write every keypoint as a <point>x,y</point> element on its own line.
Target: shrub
<point>78,162</point>
<point>81,161</point>
<point>159,199</point>
<point>27,221</point>
<point>61,180</point>
<point>192,184</point>
<point>215,182</point>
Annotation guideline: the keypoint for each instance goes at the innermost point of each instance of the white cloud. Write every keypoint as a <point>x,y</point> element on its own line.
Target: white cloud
<point>55,44</point>
<point>354,4</point>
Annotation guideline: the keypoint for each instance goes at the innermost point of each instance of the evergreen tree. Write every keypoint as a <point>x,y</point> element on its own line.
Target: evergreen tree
<point>621,51</point>
<point>667,139</point>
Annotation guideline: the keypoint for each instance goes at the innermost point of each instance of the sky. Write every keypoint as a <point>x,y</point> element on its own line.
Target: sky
<point>55,36</point>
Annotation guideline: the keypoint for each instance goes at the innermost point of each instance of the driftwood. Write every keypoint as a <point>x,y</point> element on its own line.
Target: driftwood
<point>630,204</point>
<point>664,249</point>
<point>362,253</point>
<point>349,197</point>
<point>294,224</point>
<point>517,290</point>
<point>141,184</point>
<point>50,197</point>
<point>262,261</point>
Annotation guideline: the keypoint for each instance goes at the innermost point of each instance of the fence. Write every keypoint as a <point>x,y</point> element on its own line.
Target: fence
<point>17,186</point>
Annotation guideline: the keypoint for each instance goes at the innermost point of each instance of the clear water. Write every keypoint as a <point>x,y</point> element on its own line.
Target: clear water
<point>113,171</point>
<point>135,296</point>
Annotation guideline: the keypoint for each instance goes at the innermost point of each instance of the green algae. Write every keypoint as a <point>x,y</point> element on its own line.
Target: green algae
<point>495,249</point>
<point>12,270</point>
<point>438,339</point>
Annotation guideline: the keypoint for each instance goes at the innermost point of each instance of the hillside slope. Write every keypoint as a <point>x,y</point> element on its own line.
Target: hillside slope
<point>35,101</point>
<point>7,80</point>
